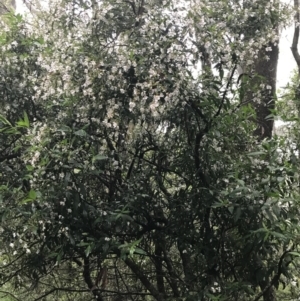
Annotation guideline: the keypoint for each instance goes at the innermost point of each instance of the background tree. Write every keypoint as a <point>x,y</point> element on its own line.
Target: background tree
<point>6,6</point>
<point>129,168</point>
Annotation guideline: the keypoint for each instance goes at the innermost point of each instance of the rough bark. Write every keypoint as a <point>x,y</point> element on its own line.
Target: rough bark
<point>265,69</point>
<point>296,55</point>
<point>265,72</point>
<point>294,47</point>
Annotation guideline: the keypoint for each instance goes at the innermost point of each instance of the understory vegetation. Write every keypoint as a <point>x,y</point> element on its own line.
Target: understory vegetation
<point>138,159</point>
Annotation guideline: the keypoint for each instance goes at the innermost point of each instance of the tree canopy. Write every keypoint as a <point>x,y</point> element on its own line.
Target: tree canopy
<point>137,160</point>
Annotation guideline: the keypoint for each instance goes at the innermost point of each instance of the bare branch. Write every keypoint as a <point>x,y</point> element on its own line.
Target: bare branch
<point>143,278</point>
<point>10,294</point>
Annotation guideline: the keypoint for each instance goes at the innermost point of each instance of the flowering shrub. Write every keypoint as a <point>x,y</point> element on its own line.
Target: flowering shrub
<point>134,170</point>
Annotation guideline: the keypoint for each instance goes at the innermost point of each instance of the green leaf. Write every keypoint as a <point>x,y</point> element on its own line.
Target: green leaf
<point>83,244</point>
<point>265,180</point>
<point>139,251</point>
<point>99,158</point>
<point>81,133</point>
<point>32,194</point>
<point>21,123</point>
<point>72,241</point>
<point>280,179</point>
<point>76,170</point>
<point>248,289</point>
<point>26,201</point>
<point>294,253</point>
<point>256,153</point>
<point>241,182</point>
<point>26,120</point>
<point>278,235</point>
<point>65,129</point>
<point>31,197</point>
<point>219,205</point>
<point>88,250</point>
<point>53,255</point>
<point>29,167</point>
<point>237,214</point>
<point>59,256</point>
<point>4,120</point>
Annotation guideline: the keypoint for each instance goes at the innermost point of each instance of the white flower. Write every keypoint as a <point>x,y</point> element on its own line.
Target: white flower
<point>11,245</point>
<point>131,105</point>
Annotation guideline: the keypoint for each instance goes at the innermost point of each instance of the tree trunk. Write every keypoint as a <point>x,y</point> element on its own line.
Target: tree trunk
<point>266,67</point>
<point>265,72</point>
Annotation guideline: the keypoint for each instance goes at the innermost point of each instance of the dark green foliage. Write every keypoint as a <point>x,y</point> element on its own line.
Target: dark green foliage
<point>126,173</point>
